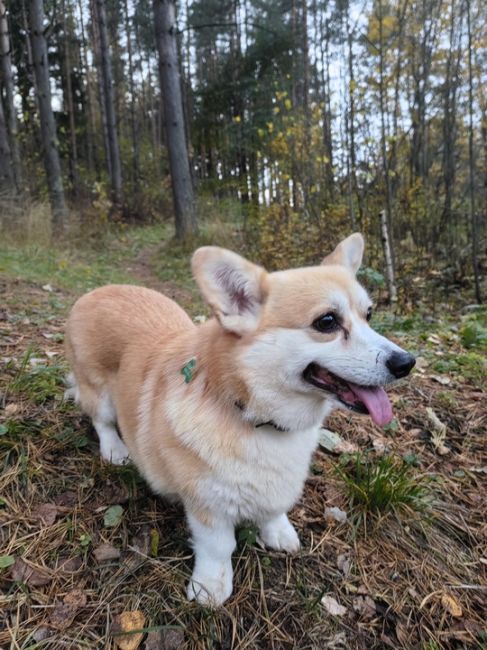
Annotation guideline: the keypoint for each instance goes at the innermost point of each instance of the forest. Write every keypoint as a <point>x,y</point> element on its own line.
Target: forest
<point>134,131</point>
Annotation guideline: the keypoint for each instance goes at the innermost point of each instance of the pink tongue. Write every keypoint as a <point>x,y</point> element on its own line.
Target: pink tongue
<point>376,401</point>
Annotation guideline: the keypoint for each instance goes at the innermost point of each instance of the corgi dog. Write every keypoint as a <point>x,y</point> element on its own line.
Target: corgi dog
<point>225,415</point>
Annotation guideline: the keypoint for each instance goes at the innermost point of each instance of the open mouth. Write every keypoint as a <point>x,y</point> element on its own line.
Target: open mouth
<point>370,400</point>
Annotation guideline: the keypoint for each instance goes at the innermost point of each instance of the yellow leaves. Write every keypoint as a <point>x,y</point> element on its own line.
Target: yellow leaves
<point>129,623</point>
<point>270,126</point>
<point>451,606</point>
<point>237,119</point>
<point>322,159</point>
<point>276,110</point>
<point>288,104</point>
<point>389,24</point>
<point>261,133</point>
<point>279,146</point>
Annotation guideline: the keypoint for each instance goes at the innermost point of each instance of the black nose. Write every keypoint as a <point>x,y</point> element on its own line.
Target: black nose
<point>400,363</point>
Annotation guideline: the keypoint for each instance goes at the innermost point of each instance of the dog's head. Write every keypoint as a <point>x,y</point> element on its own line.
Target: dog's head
<point>302,340</point>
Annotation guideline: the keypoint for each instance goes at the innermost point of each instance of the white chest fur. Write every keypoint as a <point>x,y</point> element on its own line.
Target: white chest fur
<point>266,481</point>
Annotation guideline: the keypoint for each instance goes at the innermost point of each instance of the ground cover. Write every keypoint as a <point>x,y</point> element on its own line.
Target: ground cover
<point>82,542</point>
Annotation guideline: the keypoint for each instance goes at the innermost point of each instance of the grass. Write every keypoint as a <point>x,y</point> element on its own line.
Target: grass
<point>380,485</point>
<point>49,459</point>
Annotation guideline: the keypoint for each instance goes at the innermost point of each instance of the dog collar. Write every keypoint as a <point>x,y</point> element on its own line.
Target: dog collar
<point>270,423</point>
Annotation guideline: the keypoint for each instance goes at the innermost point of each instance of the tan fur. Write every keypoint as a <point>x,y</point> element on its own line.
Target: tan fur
<point>235,442</point>
<point>119,337</point>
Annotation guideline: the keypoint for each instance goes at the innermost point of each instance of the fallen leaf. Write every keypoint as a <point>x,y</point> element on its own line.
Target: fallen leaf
<point>451,605</point>
<point>46,513</point>
<point>41,633</point>
<point>444,381</point>
<point>343,563</point>
<point>22,572</point>
<point>6,561</point>
<point>129,622</point>
<point>70,564</point>
<point>380,445</point>
<point>64,613</point>
<point>332,606</point>
<point>113,516</point>
<point>47,287</point>
<point>421,362</point>
<point>364,606</point>
<point>66,499</point>
<point>106,552</point>
<point>329,440</point>
<point>345,447</point>
<point>335,514</point>
<point>438,432</point>
<point>154,542</point>
<point>11,409</point>
<point>165,639</point>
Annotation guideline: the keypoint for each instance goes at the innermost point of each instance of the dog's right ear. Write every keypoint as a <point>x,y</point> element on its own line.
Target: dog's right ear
<point>233,287</point>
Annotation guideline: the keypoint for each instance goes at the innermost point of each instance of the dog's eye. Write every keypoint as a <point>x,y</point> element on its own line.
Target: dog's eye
<point>369,313</point>
<point>326,323</point>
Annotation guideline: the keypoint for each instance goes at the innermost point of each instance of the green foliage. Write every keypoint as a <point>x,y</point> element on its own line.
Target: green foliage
<point>377,486</point>
<point>39,382</point>
<point>247,535</point>
<point>371,277</point>
<point>473,333</point>
<point>6,561</point>
<point>113,516</point>
<point>471,366</point>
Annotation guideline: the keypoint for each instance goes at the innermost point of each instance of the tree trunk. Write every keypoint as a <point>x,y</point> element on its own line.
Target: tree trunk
<point>101,87</point>
<point>108,96</point>
<point>471,163</point>
<point>184,205</point>
<point>6,174</point>
<point>8,84</point>
<point>385,160</point>
<point>91,153</point>
<point>69,105</point>
<point>48,125</point>
<point>133,124</point>
<point>386,245</point>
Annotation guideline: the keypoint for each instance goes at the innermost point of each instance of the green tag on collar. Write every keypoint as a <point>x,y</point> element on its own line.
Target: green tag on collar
<point>189,370</point>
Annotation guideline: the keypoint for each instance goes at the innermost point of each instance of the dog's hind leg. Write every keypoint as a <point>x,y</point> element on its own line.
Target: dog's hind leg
<point>98,405</point>
<point>112,448</point>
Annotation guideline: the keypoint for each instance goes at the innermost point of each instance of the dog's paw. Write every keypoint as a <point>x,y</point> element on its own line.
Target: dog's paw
<point>115,452</point>
<point>279,535</point>
<point>211,590</point>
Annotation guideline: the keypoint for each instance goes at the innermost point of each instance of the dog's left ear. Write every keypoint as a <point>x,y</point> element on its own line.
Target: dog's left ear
<point>233,287</point>
<point>348,253</point>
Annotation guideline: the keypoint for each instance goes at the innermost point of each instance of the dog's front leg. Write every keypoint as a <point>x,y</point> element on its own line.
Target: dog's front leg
<point>211,582</point>
<point>278,533</point>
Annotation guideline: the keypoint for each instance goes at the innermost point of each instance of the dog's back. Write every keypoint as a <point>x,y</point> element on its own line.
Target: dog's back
<point>102,327</point>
